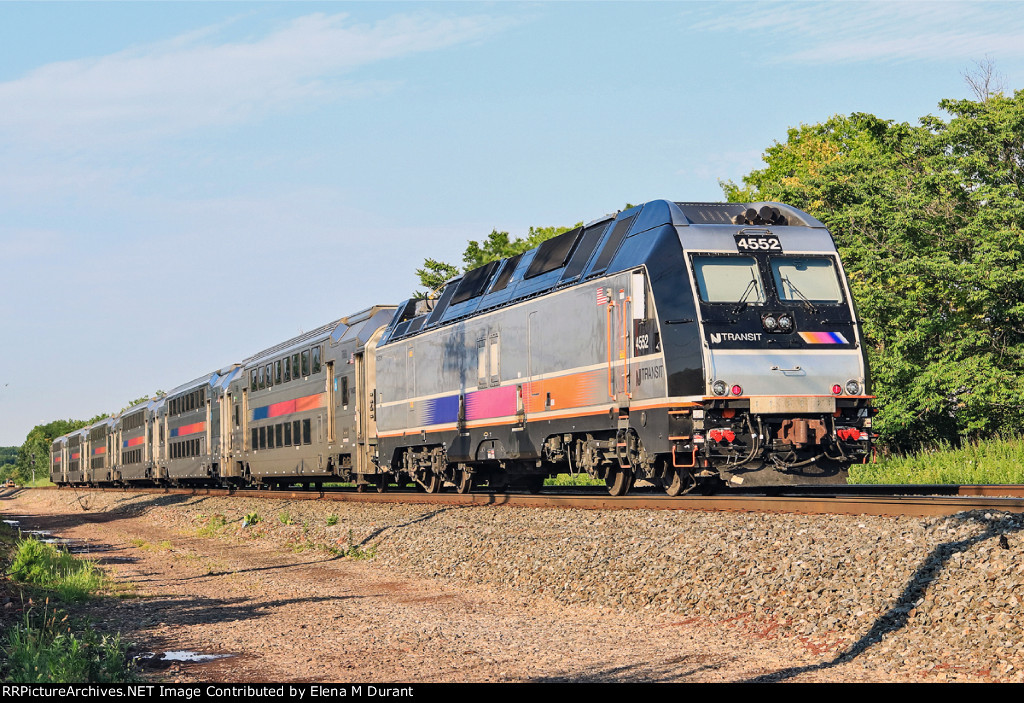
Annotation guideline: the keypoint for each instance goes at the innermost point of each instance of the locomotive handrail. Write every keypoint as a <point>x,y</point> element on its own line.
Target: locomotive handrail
<point>625,348</point>
<point>608,343</point>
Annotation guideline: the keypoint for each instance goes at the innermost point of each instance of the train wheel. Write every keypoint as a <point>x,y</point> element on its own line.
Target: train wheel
<point>465,484</point>
<point>619,481</point>
<point>534,484</point>
<point>433,484</point>
<point>382,482</point>
<point>682,481</point>
<point>360,488</point>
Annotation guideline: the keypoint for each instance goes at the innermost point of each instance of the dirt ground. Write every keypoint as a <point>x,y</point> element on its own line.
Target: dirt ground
<point>285,616</point>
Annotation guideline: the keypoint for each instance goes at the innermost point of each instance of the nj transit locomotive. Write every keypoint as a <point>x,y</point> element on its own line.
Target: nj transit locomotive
<point>684,344</point>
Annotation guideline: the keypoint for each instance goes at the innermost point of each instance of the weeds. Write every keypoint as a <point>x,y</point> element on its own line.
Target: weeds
<point>42,564</point>
<point>285,518</point>
<point>332,520</point>
<point>358,553</point>
<point>44,648</point>
<point>990,461</point>
<point>580,479</point>
<point>213,526</point>
<point>250,519</point>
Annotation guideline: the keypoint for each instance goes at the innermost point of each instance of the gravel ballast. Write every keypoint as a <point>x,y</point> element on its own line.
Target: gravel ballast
<point>849,598</point>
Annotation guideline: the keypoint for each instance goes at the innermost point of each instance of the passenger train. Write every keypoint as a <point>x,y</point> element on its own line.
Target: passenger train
<point>688,345</point>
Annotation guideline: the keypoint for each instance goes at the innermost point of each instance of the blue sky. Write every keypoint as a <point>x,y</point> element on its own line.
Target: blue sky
<point>184,184</point>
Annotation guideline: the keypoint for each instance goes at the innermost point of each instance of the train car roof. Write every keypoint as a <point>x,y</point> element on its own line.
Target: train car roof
<point>361,326</point>
<point>225,376</point>
<point>339,330</point>
<point>206,379</point>
<point>110,420</point>
<point>596,249</point>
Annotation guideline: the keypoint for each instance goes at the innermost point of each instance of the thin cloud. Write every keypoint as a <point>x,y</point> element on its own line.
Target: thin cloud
<point>191,82</point>
<point>849,32</point>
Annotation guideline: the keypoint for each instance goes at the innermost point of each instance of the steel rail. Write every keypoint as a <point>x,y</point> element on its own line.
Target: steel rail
<point>970,498</point>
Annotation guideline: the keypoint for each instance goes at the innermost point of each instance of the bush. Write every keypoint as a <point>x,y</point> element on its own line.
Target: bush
<point>45,649</point>
<point>44,565</point>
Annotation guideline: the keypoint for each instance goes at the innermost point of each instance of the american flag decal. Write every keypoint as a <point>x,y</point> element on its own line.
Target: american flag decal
<point>602,296</point>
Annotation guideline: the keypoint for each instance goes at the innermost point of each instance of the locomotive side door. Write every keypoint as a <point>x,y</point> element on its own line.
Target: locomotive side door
<point>332,411</point>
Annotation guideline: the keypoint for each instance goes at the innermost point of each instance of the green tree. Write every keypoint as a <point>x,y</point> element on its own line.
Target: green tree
<point>37,447</point>
<point>433,275</point>
<point>8,457</point>
<point>140,401</point>
<point>929,220</point>
<point>497,245</point>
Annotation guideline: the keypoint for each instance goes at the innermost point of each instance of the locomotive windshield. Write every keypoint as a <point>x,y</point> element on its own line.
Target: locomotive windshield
<point>806,280</point>
<point>728,279</point>
<point>797,279</point>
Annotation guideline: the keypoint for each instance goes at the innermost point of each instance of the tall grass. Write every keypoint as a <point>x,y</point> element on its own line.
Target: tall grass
<point>988,461</point>
<point>580,479</point>
<point>45,566</point>
<point>44,648</point>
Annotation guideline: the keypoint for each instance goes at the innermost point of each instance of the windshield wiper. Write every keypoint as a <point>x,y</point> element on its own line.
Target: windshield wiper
<point>808,303</point>
<point>741,304</point>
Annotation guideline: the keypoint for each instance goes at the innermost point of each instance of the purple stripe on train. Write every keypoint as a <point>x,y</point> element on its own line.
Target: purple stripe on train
<point>491,402</point>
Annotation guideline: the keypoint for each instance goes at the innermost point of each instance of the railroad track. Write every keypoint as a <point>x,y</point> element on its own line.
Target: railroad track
<point>838,500</point>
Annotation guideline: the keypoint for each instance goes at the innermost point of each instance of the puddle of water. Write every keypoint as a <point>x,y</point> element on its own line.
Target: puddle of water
<point>187,656</point>
<point>182,655</point>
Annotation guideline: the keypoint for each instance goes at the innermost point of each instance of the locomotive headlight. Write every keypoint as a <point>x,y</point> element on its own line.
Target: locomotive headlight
<point>719,387</point>
<point>770,323</point>
<point>785,323</point>
<point>853,387</point>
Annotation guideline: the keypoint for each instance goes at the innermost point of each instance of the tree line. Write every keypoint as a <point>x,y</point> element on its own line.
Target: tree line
<point>18,463</point>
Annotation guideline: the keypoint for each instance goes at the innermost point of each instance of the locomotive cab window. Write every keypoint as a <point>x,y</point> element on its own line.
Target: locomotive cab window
<point>728,279</point>
<point>806,280</point>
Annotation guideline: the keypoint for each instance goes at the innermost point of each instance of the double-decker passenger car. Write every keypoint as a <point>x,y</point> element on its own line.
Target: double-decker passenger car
<point>295,417</point>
